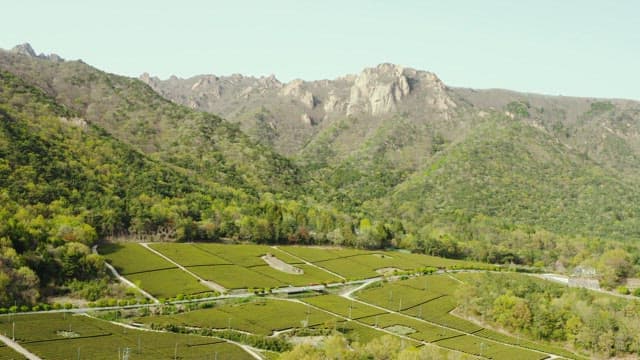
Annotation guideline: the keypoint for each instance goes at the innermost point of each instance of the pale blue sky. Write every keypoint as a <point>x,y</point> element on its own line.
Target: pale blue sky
<point>582,48</point>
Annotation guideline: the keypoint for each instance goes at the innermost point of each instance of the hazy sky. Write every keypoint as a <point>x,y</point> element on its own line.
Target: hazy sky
<point>582,48</point>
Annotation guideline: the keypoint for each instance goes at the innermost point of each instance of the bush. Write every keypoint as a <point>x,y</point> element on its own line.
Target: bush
<point>636,292</point>
<point>622,290</point>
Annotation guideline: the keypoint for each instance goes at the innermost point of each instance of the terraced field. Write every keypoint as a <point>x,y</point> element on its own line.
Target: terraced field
<point>431,298</point>
<point>261,316</point>
<point>417,309</point>
<point>360,264</point>
<point>58,336</point>
<point>7,353</point>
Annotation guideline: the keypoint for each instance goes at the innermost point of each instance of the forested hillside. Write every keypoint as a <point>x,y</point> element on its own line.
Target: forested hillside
<point>403,162</point>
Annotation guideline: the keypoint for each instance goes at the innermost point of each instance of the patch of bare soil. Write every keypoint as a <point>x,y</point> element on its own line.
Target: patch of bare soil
<point>280,265</point>
<point>387,270</point>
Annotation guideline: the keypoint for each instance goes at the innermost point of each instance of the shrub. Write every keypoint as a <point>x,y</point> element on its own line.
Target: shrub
<point>622,290</point>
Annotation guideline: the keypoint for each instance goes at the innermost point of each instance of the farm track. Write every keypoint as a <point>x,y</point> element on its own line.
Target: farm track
<point>18,348</point>
<point>210,284</point>
<point>345,318</point>
<point>248,349</point>
<point>124,280</point>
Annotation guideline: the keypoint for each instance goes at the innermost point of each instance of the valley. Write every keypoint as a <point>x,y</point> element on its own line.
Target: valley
<point>382,215</point>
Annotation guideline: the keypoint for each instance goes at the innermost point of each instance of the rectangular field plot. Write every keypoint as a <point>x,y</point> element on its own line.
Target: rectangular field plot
<point>315,254</point>
<point>187,254</point>
<point>235,277</point>
<point>380,260</point>
<point>437,311</point>
<point>49,337</point>
<point>421,330</point>
<point>168,283</point>
<point>357,332</point>
<point>348,268</point>
<point>244,255</point>
<point>396,297</point>
<point>131,258</point>
<point>258,317</point>
<point>50,327</point>
<point>433,284</point>
<point>490,349</point>
<point>342,306</point>
<point>407,294</point>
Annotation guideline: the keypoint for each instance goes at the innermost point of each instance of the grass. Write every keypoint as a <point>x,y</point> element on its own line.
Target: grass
<point>348,269</point>
<point>97,339</point>
<point>168,283</point>
<point>7,353</point>
<point>235,277</point>
<point>342,306</point>
<point>260,316</point>
<point>244,255</point>
<point>188,254</point>
<point>132,258</point>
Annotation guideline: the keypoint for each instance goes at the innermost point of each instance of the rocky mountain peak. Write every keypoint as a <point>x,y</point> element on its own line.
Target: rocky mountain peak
<point>27,50</point>
<point>378,90</point>
<point>24,49</point>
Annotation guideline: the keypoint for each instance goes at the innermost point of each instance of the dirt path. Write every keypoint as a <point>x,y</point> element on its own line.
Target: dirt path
<point>248,349</point>
<point>15,346</point>
<point>425,343</point>
<point>310,264</point>
<point>210,284</point>
<point>124,280</point>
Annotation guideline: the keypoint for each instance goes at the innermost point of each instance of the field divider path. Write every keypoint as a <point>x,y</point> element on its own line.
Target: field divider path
<point>345,318</point>
<point>18,348</point>
<point>349,296</point>
<point>251,351</point>
<point>210,284</point>
<point>310,263</point>
<point>124,280</point>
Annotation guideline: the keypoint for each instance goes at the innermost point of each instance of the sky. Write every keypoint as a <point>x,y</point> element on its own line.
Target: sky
<point>560,47</point>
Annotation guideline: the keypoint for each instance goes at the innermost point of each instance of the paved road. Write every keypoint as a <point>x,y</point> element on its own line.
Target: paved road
<point>15,346</point>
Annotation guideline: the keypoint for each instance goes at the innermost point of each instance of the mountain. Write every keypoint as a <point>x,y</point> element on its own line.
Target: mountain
<point>398,143</point>
<point>132,112</point>
<point>71,175</point>
<point>388,157</point>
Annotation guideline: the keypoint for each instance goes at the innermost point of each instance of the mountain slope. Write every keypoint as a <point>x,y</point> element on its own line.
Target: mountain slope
<point>132,112</point>
<point>514,172</point>
<point>412,149</point>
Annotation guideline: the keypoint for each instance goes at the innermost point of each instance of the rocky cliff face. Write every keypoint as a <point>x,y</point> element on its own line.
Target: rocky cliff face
<point>297,110</point>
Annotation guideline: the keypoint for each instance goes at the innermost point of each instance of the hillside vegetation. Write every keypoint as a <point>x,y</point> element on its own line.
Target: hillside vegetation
<point>492,175</point>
